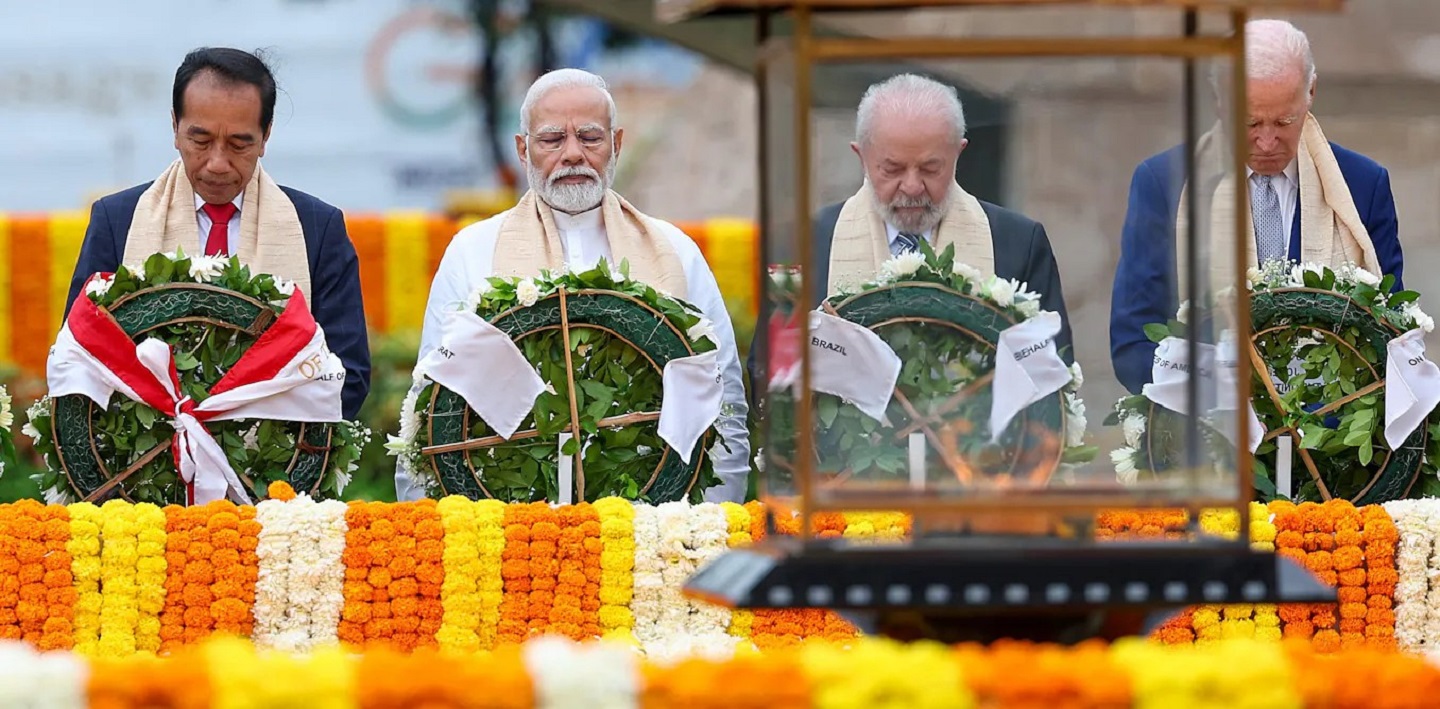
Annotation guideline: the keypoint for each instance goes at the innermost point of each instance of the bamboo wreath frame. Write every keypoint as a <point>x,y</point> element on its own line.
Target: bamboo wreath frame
<point>435,448</point>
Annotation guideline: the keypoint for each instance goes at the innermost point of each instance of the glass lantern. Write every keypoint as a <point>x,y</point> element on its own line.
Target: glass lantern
<point>969,382</point>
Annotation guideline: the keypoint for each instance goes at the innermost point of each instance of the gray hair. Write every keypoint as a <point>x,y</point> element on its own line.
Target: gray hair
<point>1275,47</point>
<point>913,97</point>
<point>562,79</point>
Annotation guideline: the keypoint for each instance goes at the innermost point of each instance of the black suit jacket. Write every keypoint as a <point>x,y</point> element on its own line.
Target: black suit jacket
<point>334,275</point>
<point>1022,252</point>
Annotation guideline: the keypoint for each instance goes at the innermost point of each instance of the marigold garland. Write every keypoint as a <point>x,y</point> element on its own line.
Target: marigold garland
<point>576,610</point>
<point>323,678</point>
<point>234,537</point>
<point>554,672</point>
<point>185,618</point>
<point>492,680</point>
<point>1234,672</point>
<point>84,548</point>
<point>617,565</point>
<point>919,675</point>
<point>611,569</point>
<point>37,590</point>
<point>772,681</point>
<point>1380,537</point>
<point>1085,675</point>
<point>460,592</point>
<point>514,625</point>
<point>149,575</point>
<point>737,524</point>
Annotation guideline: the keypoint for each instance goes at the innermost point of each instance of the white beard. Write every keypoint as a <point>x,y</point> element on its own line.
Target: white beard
<point>571,199</point>
<point>915,224</point>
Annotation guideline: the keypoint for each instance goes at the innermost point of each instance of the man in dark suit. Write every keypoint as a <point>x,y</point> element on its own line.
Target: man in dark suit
<point>1299,210</point>
<point>223,105</point>
<point>909,133</point>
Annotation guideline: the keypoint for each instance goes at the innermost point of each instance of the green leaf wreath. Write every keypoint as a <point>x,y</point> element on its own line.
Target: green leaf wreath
<point>260,450</point>
<point>613,377</point>
<point>1322,334</point>
<point>940,363</point>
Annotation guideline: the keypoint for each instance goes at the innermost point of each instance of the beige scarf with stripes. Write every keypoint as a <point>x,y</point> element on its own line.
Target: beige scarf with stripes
<point>1331,232</point>
<point>529,242</point>
<point>271,240</point>
<point>861,243</point>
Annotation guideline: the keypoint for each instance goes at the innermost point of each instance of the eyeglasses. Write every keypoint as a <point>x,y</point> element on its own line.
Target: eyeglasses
<point>551,141</point>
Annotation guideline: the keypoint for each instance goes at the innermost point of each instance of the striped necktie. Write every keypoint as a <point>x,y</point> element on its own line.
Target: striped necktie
<point>904,243</point>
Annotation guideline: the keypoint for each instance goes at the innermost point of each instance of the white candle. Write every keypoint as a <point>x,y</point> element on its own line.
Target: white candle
<point>1282,466</point>
<point>566,480</point>
<point>917,460</point>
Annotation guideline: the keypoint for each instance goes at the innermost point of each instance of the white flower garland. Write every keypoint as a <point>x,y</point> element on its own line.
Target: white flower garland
<point>649,582</point>
<point>299,592</point>
<point>677,565</point>
<point>49,680</point>
<point>1415,520</point>
<point>595,675</point>
<point>710,535</point>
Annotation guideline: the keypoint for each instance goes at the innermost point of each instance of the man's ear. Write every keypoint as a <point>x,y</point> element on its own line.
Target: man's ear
<point>963,142</point>
<point>617,140</point>
<point>520,148</point>
<point>856,147</point>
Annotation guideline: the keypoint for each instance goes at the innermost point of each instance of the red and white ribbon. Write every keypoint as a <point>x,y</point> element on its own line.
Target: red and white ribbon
<point>288,374</point>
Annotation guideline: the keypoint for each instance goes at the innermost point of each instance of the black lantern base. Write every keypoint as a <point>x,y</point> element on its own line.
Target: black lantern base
<point>981,589</point>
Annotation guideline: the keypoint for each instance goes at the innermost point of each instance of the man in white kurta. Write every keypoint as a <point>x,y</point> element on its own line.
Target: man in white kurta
<point>569,218</point>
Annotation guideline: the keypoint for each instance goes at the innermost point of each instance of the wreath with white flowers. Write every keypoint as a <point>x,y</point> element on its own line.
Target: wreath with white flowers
<point>943,319</point>
<point>621,333</point>
<point>209,310</point>
<point>1321,334</point>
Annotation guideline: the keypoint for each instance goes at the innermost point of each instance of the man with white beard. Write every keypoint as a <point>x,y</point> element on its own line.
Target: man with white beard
<point>570,219</point>
<point>909,133</point>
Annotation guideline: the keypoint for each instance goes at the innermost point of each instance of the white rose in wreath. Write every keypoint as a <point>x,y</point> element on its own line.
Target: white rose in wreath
<point>702,330</point>
<point>901,266</point>
<point>207,268</point>
<point>1002,291</point>
<point>527,292</point>
<point>1134,427</point>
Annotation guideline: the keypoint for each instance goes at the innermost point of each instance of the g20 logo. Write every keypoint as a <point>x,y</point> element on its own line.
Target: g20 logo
<point>420,67</point>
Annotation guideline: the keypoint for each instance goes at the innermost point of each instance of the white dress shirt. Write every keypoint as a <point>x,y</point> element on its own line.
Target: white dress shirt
<point>470,259</point>
<point>232,246</point>
<point>1287,188</point>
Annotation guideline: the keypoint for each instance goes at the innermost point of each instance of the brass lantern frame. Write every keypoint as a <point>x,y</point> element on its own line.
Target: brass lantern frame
<point>974,586</point>
<point>808,50</point>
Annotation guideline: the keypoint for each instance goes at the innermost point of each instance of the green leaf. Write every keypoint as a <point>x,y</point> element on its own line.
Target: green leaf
<point>1367,452</point>
<point>827,408</point>
<point>1156,332</point>
<point>145,415</point>
<point>1403,297</point>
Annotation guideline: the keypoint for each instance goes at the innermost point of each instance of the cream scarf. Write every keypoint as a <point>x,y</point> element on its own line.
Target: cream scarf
<point>271,240</point>
<point>861,242</point>
<point>529,241</point>
<point>1331,232</point>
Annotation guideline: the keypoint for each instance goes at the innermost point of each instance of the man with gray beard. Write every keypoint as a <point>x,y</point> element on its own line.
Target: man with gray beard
<point>570,219</point>
<point>909,133</point>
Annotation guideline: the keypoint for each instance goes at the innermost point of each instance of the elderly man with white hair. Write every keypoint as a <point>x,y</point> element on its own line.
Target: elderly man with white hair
<point>1310,200</point>
<point>909,134</point>
<point>569,142</point>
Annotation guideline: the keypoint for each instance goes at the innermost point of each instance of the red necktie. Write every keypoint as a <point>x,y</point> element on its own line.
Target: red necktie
<point>218,243</point>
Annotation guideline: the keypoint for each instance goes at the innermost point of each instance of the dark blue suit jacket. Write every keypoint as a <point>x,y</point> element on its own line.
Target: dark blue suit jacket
<point>1145,289</point>
<point>334,275</point>
<point>1022,252</point>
